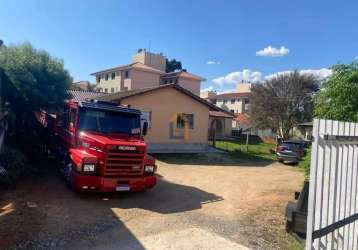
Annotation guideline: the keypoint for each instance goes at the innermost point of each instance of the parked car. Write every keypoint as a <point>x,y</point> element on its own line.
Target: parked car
<point>296,213</point>
<point>291,151</point>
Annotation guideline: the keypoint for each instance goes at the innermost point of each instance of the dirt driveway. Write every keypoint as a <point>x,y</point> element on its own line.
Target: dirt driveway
<point>220,205</point>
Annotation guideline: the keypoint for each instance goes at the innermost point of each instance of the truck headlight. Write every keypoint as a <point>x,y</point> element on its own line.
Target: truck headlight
<point>149,169</point>
<point>89,167</point>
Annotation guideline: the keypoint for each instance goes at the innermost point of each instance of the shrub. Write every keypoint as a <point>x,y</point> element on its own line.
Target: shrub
<point>305,164</point>
<point>13,163</point>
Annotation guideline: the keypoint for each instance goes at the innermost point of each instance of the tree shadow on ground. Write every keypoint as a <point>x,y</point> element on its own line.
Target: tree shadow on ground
<point>234,158</point>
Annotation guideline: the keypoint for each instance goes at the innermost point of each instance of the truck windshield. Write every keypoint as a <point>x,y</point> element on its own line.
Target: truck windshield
<point>108,121</point>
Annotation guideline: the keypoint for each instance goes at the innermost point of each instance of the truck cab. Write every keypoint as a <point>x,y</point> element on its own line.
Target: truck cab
<point>103,148</point>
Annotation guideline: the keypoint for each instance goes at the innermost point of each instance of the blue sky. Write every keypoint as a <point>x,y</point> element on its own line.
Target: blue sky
<point>92,35</point>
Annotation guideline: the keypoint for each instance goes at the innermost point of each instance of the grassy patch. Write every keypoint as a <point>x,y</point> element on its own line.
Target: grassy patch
<point>256,150</point>
<point>265,229</point>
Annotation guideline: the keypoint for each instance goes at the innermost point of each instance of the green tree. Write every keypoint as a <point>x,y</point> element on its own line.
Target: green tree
<point>283,101</point>
<point>338,97</point>
<point>172,65</point>
<point>40,79</point>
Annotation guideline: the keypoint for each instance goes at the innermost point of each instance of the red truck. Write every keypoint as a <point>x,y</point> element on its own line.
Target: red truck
<point>101,146</point>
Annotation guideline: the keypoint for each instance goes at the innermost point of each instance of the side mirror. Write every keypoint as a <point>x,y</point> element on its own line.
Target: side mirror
<point>145,128</point>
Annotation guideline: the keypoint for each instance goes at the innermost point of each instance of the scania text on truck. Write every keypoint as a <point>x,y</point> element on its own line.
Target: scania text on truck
<point>101,146</point>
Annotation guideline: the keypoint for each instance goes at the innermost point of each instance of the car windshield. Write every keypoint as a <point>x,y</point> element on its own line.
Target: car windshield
<point>108,121</point>
<point>290,145</point>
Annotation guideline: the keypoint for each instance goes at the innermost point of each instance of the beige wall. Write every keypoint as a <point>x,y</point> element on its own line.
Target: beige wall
<point>164,104</point>
<point>143,79</point>
<point>115,83</point>
<point>208,94</point>
<point>156,61</point>
<point>190,84</point>
<point>137,79</point>
<point>244,87</point>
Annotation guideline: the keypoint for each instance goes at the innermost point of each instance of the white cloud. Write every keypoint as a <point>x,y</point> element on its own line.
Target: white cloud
<point>210,88</point>
<point>225,83</point>
<point>226,91</point>
<point>235,77</point>
<point>273,52</point>
<point>321,74</point>
<point>212,62</point>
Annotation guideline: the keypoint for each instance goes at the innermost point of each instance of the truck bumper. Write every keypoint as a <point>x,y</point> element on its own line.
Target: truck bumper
<point>107,184</point>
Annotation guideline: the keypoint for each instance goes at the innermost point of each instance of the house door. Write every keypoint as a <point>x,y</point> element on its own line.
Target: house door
<point>219,127</point>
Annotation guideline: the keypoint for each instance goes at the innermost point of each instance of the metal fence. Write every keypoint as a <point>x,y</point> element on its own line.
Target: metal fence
<point>333,206</point>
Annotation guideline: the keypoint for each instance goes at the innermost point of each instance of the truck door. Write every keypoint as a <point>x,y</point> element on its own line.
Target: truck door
<point>69,127</point>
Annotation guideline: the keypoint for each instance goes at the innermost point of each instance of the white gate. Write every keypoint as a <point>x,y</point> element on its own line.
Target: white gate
<point>333,205</point>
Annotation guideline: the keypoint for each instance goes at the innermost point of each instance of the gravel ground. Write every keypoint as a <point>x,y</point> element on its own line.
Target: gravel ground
<point>208,203</point>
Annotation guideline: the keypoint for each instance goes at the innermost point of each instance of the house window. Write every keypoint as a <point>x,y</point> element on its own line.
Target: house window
<point>147,116</point>
<point>126,74</point>
<point>113,75</point>
<point>224,101</point>
<point>112,90</point>
<point>98,79</point>
<point>232,111</point>
<point>105,90</point>
<point>185,121</point>
<point>106,77</point>
<point>238,100</point>
<point>165,81</point>
<point>247,101</point>
<point>232,101</point>
<point>171,81</point>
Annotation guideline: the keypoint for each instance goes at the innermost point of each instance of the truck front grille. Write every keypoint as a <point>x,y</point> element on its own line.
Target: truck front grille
<point>123,163</point>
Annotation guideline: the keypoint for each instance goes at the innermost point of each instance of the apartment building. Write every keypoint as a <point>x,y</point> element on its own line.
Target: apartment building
<point>235,102</point>
<point>146,70</point>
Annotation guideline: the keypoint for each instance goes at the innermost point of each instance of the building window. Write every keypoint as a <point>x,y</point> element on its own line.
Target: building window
<point>232,111</point>
<point>185,121</point>
<point>126,74</point>
<point>224,101</point>
<point>112,90</point>
<point>247,101</point>
<point>105,90</point>
<point>147,116</point>
<point>106,77</point>
<point>113,75</point>
<point>171,81</point>
<point>165,81</point>
<point>98,79</point>
<point>232,101</point>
